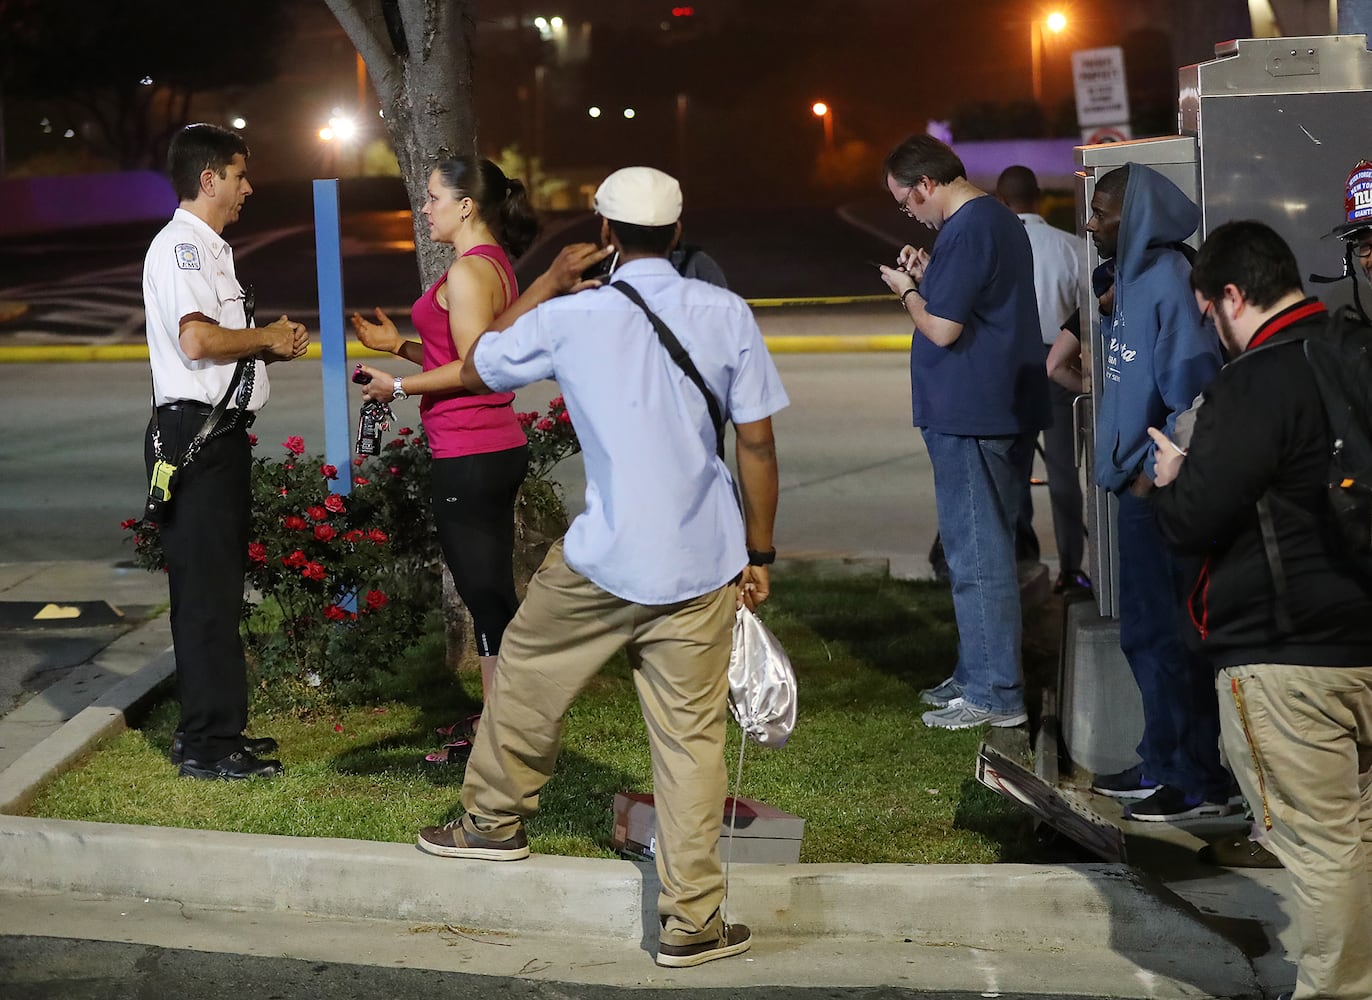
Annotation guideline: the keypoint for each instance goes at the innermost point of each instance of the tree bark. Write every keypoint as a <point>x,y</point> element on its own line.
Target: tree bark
<point>419,57</point>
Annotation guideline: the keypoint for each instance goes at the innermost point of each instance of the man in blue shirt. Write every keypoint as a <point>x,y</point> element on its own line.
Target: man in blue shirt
<point>980,396</point>
<point>657,563</point>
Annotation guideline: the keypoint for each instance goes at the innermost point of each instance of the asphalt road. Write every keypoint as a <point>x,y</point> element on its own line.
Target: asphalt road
<point>85,285</point>
<point>42,968</point>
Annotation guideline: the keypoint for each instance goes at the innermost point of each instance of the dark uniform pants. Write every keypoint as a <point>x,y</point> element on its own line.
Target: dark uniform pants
<point>205,537</point>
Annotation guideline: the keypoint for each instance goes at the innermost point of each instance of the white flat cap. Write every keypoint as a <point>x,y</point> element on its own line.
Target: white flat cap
<point>640,196</point>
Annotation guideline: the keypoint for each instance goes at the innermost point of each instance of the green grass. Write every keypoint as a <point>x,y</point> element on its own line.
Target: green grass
<point>873,784</point>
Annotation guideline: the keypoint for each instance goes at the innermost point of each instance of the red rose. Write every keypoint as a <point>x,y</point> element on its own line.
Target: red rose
<point>295,523</point>
<point>405,431</point>
<point>377,535</point>
<point>526,420</point>
<point>296,558</point>
<point>564,418</point>
<point>394,470</point>
<point>357,461</point>
<point>324,532</point>
<point>376,599</point>
<point>556,403</point>
<point>257,552</point>
<point>284,491</point>
<point>356,535</point>
<point>313,571</point>
<point>288,466</point>
<point>335,614</point>
<point>317,513</point>
<point>295,444</point>
<point>128,523</point>
<point>252,440</point>
<point>361,481</point>
<point>329,471</point>
<point>544,425</point>
<point>334,502</point>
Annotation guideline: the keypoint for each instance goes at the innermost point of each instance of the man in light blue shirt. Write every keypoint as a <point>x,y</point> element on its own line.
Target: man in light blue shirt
<point>659,560</point>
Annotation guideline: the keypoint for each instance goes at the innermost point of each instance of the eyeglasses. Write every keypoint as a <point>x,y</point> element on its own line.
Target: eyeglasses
<point>1362,250</point>
<point>1208,315</point>
<point>905,202</point>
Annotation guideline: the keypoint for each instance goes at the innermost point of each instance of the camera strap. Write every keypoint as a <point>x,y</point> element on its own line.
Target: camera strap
<point>683,360</point>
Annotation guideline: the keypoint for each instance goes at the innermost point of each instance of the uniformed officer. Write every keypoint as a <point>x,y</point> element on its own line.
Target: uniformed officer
<point>204,349</point>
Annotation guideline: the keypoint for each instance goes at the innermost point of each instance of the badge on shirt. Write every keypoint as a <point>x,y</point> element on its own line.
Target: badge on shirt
<point>188,256</point>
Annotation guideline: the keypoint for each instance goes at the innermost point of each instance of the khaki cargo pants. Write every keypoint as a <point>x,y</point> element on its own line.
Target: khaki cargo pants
<point>561,636</point>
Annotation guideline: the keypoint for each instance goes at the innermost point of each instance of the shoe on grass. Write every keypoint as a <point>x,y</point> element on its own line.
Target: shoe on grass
<point>963,715</point>
<point>1131,783</point>
<point>258,746</point>
<point>735,940</point>
<point>452,840</point>
<point>942,694</point>
<point>1169,805</point>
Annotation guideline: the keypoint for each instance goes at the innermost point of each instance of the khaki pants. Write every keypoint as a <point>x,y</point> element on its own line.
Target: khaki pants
<point>1299,741</point>
<point>561,636</point>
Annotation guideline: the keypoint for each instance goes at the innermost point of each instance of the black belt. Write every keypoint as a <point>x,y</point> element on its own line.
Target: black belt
<point>233,417</point>
<point>186,405</point>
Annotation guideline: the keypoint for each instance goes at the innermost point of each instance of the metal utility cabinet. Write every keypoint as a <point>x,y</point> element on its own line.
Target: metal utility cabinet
<point>1269,130</point>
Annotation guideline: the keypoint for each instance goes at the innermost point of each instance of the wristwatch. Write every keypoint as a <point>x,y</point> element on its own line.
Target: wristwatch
<point>399,393</point>
<point>761,557</point>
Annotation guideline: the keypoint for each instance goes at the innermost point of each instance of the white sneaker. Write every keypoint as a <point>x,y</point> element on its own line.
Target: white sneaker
<point>962,715</point>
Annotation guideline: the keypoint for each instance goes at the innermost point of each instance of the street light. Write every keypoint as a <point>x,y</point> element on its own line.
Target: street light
<point>1056,22</point>
<point>822,111</point>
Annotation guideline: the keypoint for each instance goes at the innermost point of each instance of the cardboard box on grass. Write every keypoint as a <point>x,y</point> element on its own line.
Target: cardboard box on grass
<point>763,834</point>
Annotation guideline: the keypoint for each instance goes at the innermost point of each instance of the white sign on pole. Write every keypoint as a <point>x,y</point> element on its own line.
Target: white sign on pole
<point>1102,94</point>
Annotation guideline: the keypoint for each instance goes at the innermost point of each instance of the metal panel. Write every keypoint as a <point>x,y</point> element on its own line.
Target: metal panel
<point>1279,124</point>
<point>1175,158</point>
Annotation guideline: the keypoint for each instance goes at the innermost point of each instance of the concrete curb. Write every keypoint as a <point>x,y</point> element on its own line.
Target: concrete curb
<point>1079,907</point>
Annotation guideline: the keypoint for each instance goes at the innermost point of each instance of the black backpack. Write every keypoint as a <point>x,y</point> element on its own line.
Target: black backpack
<point>1341,360</point>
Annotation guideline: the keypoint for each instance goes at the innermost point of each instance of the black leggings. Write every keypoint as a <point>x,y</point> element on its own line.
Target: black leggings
<point>473,503</point>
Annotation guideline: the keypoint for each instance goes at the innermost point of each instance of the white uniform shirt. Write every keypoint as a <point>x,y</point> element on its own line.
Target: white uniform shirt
<point>189,269</point>
<point>661,523</point>
<point>1057,270</point>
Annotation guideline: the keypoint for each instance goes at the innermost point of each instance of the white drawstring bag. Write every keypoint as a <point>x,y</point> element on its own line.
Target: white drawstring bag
<point>762,684</point>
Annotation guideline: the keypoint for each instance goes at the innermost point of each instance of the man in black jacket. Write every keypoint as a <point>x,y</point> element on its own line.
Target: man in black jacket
<point>1295,687</point>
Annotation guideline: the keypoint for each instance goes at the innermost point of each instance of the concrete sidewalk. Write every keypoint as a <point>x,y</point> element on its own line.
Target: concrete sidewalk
<point>1164,929</point>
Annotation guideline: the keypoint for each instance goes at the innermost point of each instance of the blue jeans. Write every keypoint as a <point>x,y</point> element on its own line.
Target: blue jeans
<point>1181,723</point>
<point>978,488</point>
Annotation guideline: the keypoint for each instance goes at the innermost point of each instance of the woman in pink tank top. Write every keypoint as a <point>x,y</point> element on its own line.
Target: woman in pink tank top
<point>480,452</point>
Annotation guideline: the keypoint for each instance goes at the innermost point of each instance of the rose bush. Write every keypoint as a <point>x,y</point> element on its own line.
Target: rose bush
<point>338,585</point>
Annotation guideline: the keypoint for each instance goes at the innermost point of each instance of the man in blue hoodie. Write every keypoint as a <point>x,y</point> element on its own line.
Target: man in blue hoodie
<point>1159,355</point>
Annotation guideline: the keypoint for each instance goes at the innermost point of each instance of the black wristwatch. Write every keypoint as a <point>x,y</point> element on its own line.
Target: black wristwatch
<point>761,557</point>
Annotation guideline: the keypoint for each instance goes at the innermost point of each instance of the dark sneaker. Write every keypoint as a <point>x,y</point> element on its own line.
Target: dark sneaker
<point>735,940</point>
<point>452,840</point>
<point>1131,783</point>
<point>942,694</point>
<point>962,715</point>
<point>1072,583</point>
<point>1237,851</point>
<point>1168,805</point>
<point>234,767</point>
<point>258,746</point>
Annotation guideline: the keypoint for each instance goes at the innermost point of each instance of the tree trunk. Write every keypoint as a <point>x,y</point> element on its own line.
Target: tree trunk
<point>419,57</point>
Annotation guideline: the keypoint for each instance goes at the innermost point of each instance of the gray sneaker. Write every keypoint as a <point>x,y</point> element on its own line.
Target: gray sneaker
<point>943,694</point>
<point>962,715</point>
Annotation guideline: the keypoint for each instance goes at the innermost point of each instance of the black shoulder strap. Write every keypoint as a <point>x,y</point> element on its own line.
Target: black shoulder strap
<point>683,360</point>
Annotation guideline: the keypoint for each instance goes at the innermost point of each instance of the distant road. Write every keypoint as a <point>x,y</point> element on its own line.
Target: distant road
<point>85,286</point>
